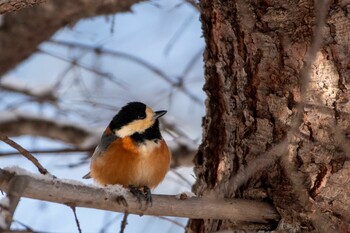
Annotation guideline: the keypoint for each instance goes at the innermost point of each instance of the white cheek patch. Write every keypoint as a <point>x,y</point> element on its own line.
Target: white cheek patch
<point>136,126</point>
<point>124,132</point>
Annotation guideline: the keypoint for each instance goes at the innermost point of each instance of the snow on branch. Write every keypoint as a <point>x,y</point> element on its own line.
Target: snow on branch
<point>74,193</point>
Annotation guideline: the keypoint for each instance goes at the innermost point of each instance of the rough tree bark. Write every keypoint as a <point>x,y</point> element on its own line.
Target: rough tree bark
<point>15,5</point>
<point>254,63</point>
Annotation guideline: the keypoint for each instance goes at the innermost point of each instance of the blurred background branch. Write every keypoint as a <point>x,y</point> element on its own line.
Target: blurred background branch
<point>34,25</point>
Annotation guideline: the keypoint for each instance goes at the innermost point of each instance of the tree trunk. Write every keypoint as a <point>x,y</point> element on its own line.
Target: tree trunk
<point>277,112</point>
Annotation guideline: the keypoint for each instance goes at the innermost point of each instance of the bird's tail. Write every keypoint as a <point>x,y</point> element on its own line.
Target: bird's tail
<point>87,176</point>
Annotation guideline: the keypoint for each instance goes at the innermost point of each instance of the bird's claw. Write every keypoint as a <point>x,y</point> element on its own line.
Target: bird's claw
<point>136,192</point>
<point>145,194</point>
<point>121,201</point>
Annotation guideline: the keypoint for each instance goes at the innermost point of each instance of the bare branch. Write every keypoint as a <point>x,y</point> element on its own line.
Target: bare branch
<point>124,222</point>
<point>63,151</point>
<point>135,59</point>
<point>305,73</point>
<point>15,5</point>
<point>7,211</point>
<point>40,96</point>
<point>18,124</point>
<point>178,33</point>
<point>25,153</point>
<point>173,222</point>
<point>76,218</point>
<point>256,165</point>
<point>14,200</point>
<point>194,4</point>
<point>110,77</point>
<point>55,190</point>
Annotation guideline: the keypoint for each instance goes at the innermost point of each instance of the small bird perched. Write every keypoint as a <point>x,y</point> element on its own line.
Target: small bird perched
<point>132,152</point>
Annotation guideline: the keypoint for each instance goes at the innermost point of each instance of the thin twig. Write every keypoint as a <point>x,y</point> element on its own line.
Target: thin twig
<point>13,203</point>
<point>172,221</point>
<point>310,57</point>
<point>110,77</point>
<point>25,153</point>
<point>194,4</point>
<point>132,58</point>
<point>14,194</point>
<point>48,96</point>
<point>108,223</point>
<point>177,34</point>
<point>181,177</point>
<point>256,165</point>
<point>29,229</point>
<point>112,24</point>
<point>124,222</point>
<point>76,218</point>
<point>305,75</point>
<point>64,151</point>
<point>191,63</point>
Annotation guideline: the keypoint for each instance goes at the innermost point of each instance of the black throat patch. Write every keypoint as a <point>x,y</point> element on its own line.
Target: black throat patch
<point>149,134</point>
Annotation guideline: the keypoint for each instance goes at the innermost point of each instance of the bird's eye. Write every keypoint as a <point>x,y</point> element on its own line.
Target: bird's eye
<point>141,117</point>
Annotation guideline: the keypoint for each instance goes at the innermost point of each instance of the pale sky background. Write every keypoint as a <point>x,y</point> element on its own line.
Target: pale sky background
<point>166,34</point>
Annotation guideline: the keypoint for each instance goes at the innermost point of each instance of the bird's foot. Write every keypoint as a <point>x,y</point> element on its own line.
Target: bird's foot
<point>147,195</point>
<point>121,201</point>
<point>136,192</point>
<point>142,193</point>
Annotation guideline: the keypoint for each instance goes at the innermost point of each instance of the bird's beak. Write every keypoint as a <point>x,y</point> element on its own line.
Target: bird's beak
<point>158,114</point>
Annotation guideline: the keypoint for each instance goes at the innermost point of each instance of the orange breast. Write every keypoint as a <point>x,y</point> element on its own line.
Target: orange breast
<point>126,163</point>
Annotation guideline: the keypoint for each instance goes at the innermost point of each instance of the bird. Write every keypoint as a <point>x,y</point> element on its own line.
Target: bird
<point>132,151</point>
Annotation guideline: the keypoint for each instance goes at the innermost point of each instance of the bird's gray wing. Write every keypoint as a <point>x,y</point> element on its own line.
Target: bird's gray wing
<point>104,143</point>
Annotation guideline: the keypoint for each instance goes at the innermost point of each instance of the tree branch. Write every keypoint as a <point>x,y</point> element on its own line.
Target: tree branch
<point>135,59</point>
<point>54,190</point>
<point>17,124</point>
<point>21,33</point>
<point>25,153</point>
<point>14,5</point>
<point>45,95</point>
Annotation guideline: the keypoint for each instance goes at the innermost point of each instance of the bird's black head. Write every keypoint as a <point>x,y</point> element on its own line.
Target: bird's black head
<point>135,117</point>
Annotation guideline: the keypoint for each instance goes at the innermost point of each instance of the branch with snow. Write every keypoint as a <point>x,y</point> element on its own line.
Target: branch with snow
<point>73,193</point>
